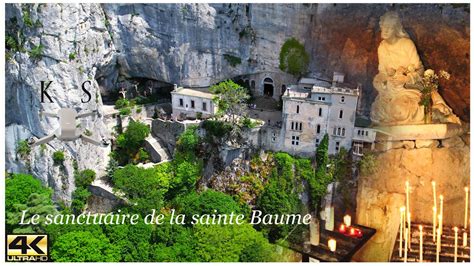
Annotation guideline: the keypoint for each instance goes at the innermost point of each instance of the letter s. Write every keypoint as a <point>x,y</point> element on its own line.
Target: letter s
<point>86,91</point>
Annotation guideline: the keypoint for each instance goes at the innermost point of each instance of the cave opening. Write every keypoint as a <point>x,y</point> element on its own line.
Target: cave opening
<point>268,87</point>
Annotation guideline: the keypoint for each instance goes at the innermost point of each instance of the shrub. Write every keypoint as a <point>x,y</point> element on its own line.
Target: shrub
<point>249,123</point>
<point>188,140</point>
<point>36,52</point>
<point>121,103</point>
<point>232,60</point>
<point>58,157</point>
<point>23,149</point>
<point>125,111</point>
<point>368,164</point>
<point>72,56</point>
<point>84,178</point>
<point>215,128</point>
<point>293,57</point>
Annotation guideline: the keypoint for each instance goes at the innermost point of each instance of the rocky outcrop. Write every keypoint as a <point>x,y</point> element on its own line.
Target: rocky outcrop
<point>381,194</point>
<point>75,43</point>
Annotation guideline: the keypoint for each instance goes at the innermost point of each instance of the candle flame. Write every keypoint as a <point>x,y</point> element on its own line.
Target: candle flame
<point>466,189</point>
<point>420,227</point>
<point>433,183</point>
<point>441,197</point>
<point>456,229</point>
<point>402,209</point>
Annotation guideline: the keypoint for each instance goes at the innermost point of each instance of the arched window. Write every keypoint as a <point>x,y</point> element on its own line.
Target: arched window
<point>297,109</point>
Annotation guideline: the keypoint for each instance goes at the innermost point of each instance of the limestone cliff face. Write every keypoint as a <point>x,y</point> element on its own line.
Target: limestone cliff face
<point>66,30</point>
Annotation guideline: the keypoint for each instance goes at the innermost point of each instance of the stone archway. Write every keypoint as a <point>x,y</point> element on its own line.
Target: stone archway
<point>268,87</point>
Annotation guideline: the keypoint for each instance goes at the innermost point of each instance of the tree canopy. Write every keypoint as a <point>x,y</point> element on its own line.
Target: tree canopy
<point>293,57</point>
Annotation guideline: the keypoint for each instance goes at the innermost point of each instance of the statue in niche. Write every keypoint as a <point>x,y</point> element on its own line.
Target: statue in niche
<point>400,68</point>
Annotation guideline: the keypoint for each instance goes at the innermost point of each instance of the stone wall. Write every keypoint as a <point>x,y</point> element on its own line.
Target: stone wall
<point>381,194</point>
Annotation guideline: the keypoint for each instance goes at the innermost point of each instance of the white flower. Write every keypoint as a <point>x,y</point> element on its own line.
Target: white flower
<point>429,73</point>
<point>444,74</point>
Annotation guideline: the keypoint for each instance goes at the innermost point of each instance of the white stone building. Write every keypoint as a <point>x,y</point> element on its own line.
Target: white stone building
<point>187,102</point>
<point>325,108</point>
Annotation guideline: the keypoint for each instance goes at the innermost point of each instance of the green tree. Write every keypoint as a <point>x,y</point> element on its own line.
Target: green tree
<point>37,204</point>
<point>79,199</point>
<point>130,142</point>
<point>322,157</point>
<point>293,58</point>
<point>58,157</point>
<point>19,187</point>
<point>188,140</point>
<point>206,202</point>
<point>230,99</point>
<point>84,178</point>
<point>80,246</point>
<point>231,243</point>
<point>144,187</point>
<point>133,241</point>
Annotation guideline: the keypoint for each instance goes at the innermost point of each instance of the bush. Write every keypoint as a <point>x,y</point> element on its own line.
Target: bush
<point>121,103</point>
<point>85,178</point>
<point>125,111</point>
<point>188,140</point>
<point>23,149</point>
<point>232,60</point>
<point>249,123</point>
<point>293,58</point>
<point>79,199</point>
<point>368,164</point>
<point>72,56</point>
<point>58,157</point>
<point>218,129</point>
<point>36,52</point>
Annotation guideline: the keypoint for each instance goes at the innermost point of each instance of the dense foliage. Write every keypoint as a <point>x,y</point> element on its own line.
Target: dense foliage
<point>293,57</point>
<point>230,99</point>
<point>130,142</point>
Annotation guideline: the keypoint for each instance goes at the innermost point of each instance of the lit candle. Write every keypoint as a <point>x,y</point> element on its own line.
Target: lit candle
<point>347,220</point>
<point>421,242</point>
<point>441,212</point>
<point>406,247</point>
<point>455,244</point>
<point>332,244</point>
<point>464,239</point>
<point>438,244</point>
<point>409,230</point>
<point>402,214</point>
<point>342,229</point>
<point>466,189</point>
<point>434,223</point>
<point>433,183</point>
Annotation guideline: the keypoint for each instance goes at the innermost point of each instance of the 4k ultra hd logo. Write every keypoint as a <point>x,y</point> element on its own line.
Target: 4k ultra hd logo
<point>28,248</point>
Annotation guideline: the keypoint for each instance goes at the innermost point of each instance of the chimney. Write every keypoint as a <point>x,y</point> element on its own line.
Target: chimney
<point>337,77</point>
<point>175,86</point>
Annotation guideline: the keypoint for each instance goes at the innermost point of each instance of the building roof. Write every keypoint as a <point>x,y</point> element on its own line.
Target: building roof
<point>195,92</point>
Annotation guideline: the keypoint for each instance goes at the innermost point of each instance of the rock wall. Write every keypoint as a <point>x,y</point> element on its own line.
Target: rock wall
<point>381,194</point>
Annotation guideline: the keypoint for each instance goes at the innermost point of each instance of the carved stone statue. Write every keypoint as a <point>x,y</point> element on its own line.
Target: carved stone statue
<point>399,68</point>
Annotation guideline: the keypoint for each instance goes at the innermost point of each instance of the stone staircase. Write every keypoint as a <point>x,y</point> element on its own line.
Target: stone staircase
<point>429,247</point>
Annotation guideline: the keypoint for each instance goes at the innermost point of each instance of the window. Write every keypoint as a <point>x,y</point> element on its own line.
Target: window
<point>366,132</point>
<point>181,102</point>
<point>318,129</point>
<point>339,131</point>
<point>297,109</point>
<point>273,139</point>
<point>192,104</point>
<point>320,111</point>
<point>298,126</point>
<point>358,148</point>
<point>204,106</point>
<point>340,114</point>
<point>317,142</point>
<point>337,145</point>
<point>321,98</point>
<point>295,140</point>
<point>342,99</point>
